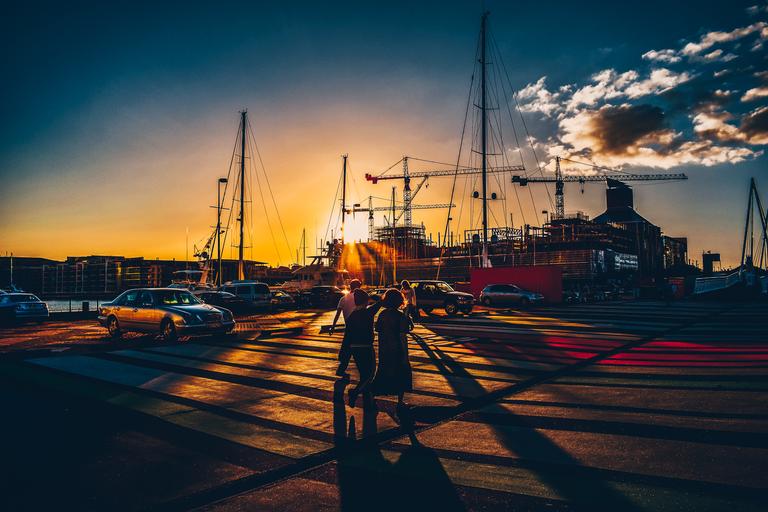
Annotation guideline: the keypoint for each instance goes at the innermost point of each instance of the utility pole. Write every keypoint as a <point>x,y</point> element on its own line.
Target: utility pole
<point>484,136</point>
<point>343,196</point>
<point>240,264</point>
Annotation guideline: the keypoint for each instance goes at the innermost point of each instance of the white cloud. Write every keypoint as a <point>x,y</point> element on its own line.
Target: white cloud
<point>710,39</point>
<point>537,98</point>
<point>667,55</point>
<point>660,80</point>
<point>755,93</point>
<point>754,10</point>
<point>715,56</point>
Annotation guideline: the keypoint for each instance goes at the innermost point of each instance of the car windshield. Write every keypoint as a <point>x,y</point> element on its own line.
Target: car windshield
<point>175,298</point>
<point>444,287</point>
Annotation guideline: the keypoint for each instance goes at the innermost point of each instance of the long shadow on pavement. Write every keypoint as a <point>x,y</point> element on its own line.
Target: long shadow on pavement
<point>369,481</point>
<point>530,444</point>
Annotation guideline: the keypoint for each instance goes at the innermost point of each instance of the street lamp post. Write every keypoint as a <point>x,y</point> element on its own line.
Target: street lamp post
<point>218,227</point>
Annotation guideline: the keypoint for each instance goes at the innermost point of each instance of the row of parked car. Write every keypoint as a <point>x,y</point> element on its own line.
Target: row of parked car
<point>435,295</point>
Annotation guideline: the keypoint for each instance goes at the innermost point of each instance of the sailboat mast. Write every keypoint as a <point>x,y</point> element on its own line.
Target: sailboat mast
<point>483,131</point>
<point>343,197</point>
<point>240,264</point>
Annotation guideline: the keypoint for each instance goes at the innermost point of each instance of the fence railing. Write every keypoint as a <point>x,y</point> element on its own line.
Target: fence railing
<point>710,284</point>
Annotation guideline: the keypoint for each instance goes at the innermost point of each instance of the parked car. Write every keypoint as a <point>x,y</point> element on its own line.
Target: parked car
<point>257,293</point>
<point>281,300</point>
<point>323,296</point>
<point>237,305</point>
<point>508,295</point>
<point>439,294</point>
<point>171,312</point>
<point>18,307</point>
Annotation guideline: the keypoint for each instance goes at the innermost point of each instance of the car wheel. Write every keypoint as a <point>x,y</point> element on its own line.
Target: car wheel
<point>113,326</point>
<point>487,301</point>
<point>168,331</point>
<point>451,308</point>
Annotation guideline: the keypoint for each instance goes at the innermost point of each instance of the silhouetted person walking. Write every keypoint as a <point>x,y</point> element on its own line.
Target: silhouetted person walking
<point>409,296</point>
<point>358,339</point>
<point>393,376</point>
<point>345,307</point>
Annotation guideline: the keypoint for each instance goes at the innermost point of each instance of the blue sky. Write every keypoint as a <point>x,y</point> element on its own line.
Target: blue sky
<point>118,107</point>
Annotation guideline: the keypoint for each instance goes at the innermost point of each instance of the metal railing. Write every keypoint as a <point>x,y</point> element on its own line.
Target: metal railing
<point>710,284</point>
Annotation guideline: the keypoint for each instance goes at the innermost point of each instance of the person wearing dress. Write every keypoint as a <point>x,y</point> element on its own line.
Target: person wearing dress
<point>393,376</point>
<point>358,339</point>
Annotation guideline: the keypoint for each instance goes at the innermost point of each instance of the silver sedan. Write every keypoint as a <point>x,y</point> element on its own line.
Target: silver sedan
<point>171,312</point>
<point>508,295</point>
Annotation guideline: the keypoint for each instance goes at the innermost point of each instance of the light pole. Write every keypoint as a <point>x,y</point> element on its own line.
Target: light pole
<point>218,227</point>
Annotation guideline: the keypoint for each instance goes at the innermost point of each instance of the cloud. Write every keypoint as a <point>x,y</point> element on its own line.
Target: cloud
<point>755,93</point>
<point>710,39</point>
<point>615,130</point>
<point>755,126</point>
<point>673,110</point>
<point>659,81</point>
<point>754,10</point>
<point>667,56</point>
<point>605,85</point>
<point>536,98</point>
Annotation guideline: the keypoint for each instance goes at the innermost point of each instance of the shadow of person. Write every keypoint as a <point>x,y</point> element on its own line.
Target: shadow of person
<point>340,438</point>
<point>421,481</point>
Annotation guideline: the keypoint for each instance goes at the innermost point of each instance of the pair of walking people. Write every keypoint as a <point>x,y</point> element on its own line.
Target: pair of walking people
<point>393,374</point>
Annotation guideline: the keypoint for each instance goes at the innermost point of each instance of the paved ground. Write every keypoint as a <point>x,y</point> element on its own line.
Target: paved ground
<point>621,406</point>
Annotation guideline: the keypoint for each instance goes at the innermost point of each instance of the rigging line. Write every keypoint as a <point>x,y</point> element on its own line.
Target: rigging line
<point>498,136</point>
<point>255,173</point>
<point>269,187</point>
<point>494,44</point>
<point>530,191</point>
<point>234,190</point>
<point>458,162</point>
<point>226,185</point>
<point>333,207</point>
<point>519,150</point>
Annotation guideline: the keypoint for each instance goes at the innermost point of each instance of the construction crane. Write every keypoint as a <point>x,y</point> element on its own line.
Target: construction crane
<point>357,208</point>
<point>559,180</point>
<point>406,176</point>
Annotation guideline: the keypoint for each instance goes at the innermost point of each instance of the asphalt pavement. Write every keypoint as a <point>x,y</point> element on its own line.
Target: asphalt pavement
<point>616,406</point>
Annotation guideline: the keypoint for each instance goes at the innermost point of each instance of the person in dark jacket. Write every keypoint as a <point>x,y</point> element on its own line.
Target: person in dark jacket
<point>393,376</point>
<point>358,339</point>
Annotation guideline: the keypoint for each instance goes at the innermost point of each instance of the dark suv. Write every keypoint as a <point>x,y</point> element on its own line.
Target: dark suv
<point>439,294</point>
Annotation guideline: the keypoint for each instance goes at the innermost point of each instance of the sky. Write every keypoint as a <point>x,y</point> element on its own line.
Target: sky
<point>117,118</point>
